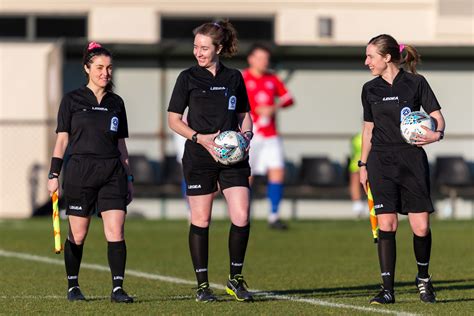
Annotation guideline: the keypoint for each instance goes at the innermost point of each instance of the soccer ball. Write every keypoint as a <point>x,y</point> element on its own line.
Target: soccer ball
<point>233,147</point>
<point>411,125</point>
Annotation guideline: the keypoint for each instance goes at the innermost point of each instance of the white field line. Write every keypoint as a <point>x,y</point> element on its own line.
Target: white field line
<point>164,278</point>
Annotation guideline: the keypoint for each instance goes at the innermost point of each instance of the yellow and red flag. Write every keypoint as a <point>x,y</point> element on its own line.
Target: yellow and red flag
<point>56,224</point>
<point>372,216</point>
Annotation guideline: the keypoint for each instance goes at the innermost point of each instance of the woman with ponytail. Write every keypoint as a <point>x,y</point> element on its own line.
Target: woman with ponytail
<point>92,122</point>
<point>217,102</point>
<point>398,173</point>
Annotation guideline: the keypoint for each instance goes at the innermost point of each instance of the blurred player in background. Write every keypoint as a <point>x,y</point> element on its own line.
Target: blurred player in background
<point>217,101</point>
<point>359,208</point>
<point>93,122</point>
<point>398,173</point>
<point>267,95</point>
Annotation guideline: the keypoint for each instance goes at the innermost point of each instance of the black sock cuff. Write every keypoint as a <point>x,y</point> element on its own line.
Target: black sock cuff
<point>386,235</point>
<point>116,244</point>
<point>72,245</point>
<point>416,237</point>
<point>240,229</point>
<point>202,231</point>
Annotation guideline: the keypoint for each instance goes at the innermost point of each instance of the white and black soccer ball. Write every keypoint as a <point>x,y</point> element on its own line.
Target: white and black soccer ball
<point>233,147</point>
<point>411,125</point>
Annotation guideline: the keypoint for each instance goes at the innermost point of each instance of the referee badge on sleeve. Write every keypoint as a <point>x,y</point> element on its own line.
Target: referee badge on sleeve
<point>232,102</point>
<point>114,123</point>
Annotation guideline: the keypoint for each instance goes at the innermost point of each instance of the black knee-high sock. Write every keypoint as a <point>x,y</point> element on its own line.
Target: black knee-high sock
<point>422,247</point>
<point>117,255</point>
<point>199,248</point>
<point>72,260</point>
<point>387,250</point>
<point>238,239</point>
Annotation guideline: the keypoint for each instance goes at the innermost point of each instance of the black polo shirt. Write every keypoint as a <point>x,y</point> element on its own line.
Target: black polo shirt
<point>386,105</point>
<point>213,101</point>
<point>93,128</point>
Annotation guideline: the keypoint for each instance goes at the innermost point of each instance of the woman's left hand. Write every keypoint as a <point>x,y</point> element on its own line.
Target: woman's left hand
<point>130,193</point>
<point>428,138</point>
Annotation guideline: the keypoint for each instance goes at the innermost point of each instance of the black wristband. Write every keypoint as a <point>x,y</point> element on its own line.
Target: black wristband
<point>56,165</point>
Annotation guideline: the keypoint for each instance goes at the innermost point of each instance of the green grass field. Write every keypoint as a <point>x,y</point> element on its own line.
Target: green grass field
<point>317,267</point>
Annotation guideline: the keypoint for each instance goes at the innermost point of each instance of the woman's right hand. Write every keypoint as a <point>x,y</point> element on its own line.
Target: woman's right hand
<point>363,177</point>
<point>207,141</point>
<point>53,185</point>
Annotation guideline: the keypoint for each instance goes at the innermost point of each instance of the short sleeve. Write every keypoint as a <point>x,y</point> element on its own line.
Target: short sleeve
<point>427,97</point>
<point>180,96</point>
<point>282,92</point>
<point>366,105</point>
<point>64,116</point>
<point>243,104</point>
<point>123,123</point>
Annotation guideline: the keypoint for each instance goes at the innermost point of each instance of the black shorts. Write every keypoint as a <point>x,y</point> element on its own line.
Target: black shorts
<point>202,172</point>
<point>94,185</point>
<point>400,180</point>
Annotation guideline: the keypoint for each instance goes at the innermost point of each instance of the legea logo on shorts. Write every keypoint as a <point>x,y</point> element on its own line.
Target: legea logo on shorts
<point>232,102</point>
<point>114,122</point>
<point>194,186</point>
<point>75,207</point>
<point>378,206</point>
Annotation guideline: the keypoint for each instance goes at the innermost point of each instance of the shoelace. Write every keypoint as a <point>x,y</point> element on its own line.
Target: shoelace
<point>204,286</point>
<point>241,282</point>
<point>421,288</point>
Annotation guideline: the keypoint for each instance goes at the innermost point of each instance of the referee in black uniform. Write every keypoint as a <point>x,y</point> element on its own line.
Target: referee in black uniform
<point>398,172</point>
<point>92,121</point>
<point>217,101</point>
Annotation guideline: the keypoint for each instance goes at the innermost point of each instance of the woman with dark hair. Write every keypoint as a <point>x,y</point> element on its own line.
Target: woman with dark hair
<point>92,121</point>
<point>398,173</point>
<point>217,101</point>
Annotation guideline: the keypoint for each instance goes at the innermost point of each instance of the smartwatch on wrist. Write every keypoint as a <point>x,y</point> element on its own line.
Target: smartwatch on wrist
<point>441,135</point>
<point>52,176</point>
<point>194,138</point>
<point>361,164</point>
<point>248,134</point>
<point>130,178</point>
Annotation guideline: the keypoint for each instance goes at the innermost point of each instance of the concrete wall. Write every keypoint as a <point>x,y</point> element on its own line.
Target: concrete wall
<point>30,91</point>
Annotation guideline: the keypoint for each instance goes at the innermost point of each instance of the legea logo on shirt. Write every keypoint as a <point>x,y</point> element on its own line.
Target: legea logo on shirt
<point>232,102</point>
<point>114,123</point>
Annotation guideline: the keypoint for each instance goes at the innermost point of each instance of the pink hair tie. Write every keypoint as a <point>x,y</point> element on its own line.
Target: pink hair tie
<point>401,47</point>
<point>93,45</point>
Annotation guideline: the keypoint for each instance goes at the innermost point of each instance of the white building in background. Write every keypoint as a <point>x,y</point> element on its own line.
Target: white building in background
<point>300,22</point>
<point>319,48</point>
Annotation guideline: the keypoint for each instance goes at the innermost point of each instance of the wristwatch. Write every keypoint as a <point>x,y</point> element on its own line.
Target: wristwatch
<point>248,134</point>
<point>441,135</point>
<point>194,138</point>
<point>361,164</point>
<point>130,178</point>
<point>52,176</point>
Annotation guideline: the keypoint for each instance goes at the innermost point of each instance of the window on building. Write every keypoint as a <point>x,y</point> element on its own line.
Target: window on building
<point>325,27</point>
<point>11,26</point>
<point>250,29</point>
<point>53,27</point>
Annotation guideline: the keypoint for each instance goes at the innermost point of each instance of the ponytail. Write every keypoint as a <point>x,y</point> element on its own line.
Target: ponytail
<point>402,54</point>
<point>222,33</point>
<point>411,59</point>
